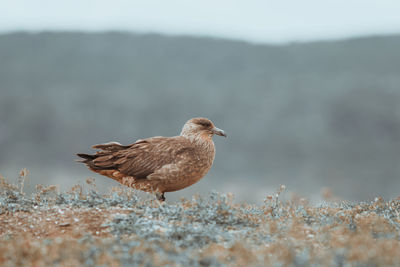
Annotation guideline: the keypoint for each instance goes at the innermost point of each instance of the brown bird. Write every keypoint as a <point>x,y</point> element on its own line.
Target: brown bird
<point>159,164</point>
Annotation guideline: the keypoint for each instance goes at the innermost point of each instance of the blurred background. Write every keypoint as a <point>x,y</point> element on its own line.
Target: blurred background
<point>308,93</point>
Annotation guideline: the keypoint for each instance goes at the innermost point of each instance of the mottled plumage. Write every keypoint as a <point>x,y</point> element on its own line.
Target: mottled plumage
<point>159,164</point>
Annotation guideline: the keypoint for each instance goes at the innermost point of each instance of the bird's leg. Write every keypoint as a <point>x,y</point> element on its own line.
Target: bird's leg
<point>160,196</point>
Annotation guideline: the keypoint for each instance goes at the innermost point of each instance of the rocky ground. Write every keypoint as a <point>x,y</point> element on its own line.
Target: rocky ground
<point>84,227</point>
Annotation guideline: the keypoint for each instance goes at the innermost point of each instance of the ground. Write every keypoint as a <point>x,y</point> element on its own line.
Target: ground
<point>84,227</point>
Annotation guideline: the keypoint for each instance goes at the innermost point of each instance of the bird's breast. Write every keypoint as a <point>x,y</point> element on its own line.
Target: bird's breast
<point>194,168</point>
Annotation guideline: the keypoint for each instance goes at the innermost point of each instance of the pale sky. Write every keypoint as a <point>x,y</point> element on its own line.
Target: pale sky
<point>257,21</point>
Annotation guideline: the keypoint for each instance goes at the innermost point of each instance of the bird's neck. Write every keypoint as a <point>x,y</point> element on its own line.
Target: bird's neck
<point>205,145</point>
<point>202,140</point>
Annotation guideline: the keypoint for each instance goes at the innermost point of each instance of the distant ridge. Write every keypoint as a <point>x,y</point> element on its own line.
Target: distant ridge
<point>188,36</point>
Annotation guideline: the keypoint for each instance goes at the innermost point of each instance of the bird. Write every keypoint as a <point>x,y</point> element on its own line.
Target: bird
<point>158,164</point>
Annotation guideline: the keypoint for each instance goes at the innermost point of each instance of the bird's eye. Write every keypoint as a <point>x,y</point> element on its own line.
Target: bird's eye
<point>205,123</point>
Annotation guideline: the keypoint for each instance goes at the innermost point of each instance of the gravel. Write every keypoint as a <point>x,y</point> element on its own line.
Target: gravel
<point>84,227</point>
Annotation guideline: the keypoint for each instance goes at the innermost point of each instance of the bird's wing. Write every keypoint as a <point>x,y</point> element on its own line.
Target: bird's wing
<point>143,157</point>
<point>111,146</point>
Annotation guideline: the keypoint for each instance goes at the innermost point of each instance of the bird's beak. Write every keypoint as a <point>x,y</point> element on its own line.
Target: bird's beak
<point>218,131</point>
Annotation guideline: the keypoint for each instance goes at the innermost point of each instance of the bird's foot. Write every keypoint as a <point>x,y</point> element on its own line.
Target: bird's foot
<point>160,197</point>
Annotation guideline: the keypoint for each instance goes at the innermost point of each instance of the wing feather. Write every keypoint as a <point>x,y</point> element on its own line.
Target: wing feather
<point>143,157</point>
<point>111,146</point>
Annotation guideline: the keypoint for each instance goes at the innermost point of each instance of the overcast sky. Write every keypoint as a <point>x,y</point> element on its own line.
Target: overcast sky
<point>251,20</point>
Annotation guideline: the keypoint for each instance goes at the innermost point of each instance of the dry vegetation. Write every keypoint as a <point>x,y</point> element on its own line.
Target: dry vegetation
<point>83,227</point>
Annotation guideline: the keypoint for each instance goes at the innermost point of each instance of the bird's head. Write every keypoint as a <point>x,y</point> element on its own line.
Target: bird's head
<point>201,127</point>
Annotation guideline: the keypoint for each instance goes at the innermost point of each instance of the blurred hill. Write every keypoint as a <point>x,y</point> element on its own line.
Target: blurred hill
<point>307,115</point>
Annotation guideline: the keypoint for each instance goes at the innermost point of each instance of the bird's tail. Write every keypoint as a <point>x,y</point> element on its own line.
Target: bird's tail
<point>86,158</point>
